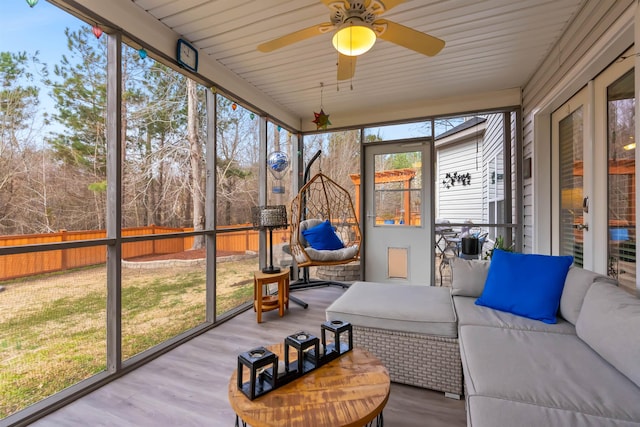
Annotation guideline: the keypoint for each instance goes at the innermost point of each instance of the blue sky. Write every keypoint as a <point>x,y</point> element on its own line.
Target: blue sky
<point>38,29</point>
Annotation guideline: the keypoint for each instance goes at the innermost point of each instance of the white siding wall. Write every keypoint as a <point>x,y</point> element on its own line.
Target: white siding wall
<point>600,32</point>
<point>492,146</point>
<point>460,203</point>
<point>516,214</point>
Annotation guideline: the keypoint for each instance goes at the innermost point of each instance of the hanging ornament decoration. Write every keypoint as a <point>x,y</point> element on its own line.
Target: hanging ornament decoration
<point>213,89</point>
<point>252,116</point>
<point>32,3</point>
<point>278,163</point>
<point>279,128</point>
<point>321,119</point>
<point>97,31</point>
<point>234,106</point>
<point>142,53</point>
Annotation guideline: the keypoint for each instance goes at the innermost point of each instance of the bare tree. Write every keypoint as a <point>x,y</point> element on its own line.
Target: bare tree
<point>236,163</point>
<point>18,106</point>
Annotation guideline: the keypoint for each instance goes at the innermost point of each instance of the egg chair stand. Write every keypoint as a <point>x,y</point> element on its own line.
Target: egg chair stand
<point>321,199</point>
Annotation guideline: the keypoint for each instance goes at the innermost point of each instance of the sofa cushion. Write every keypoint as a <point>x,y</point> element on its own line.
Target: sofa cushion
<point>399,307</point>
<point>576,286</point>
<point>528,285</point>
<point>322,237</point>
<point>468,313</point>
<point>549,370</point>
<point>488,411</point>
<point>334,255</point>
<point>468,276</point>
<point>609,323</point>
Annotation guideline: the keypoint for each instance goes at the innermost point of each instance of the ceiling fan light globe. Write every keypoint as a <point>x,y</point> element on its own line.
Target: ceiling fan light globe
<point>353,39</point>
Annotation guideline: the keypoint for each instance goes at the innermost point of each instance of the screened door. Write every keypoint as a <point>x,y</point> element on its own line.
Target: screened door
<point>397,208</point>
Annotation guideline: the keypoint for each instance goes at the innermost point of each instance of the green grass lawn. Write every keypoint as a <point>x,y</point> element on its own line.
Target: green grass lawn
<point>53,327</point>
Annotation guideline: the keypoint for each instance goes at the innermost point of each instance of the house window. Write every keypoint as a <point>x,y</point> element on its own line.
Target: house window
<point>570,139</point>
<point>621,174</point>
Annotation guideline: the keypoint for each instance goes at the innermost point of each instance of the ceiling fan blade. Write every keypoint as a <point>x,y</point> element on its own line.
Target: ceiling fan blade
<point>346,66</point>
<point>408,37</point>
<point>295,37</point>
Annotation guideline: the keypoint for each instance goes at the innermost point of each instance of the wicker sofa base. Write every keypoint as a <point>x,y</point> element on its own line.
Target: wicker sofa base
<point>426,361</point>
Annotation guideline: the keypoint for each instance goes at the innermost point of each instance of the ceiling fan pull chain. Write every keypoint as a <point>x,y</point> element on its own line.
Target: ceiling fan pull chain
<point>353,71</point>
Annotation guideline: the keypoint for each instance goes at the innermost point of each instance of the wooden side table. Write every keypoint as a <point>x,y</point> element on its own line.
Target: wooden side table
<point>265,302</point>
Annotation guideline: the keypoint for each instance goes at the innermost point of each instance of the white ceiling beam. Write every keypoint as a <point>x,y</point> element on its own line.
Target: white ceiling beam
<point>425,108</point>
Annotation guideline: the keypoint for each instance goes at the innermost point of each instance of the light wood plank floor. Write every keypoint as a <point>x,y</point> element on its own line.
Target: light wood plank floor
<point>188,386</point>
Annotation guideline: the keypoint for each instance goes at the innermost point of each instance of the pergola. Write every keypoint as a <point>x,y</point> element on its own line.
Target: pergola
<point>382,177</point>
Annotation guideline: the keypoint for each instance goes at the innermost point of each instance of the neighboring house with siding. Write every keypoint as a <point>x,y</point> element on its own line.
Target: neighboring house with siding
<point>459,153</point>
<point>473,149</point>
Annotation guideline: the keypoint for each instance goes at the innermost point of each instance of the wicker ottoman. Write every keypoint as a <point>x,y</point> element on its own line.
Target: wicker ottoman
<point>411,329</point>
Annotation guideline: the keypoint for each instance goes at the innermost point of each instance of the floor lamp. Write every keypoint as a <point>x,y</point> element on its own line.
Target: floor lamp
<point>269,217</point>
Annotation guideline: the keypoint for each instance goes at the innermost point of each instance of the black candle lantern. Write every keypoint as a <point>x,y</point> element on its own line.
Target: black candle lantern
<point>337,328</point>
<point>308,348</point>
<point>257,360</point>
<point>267,374</point>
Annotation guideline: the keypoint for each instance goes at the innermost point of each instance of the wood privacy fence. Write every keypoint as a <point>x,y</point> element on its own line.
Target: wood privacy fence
<point>33,263</point>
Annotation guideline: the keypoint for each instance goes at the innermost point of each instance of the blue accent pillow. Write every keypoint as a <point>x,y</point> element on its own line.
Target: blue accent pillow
<point>525,284</point>
<point>322,237</point>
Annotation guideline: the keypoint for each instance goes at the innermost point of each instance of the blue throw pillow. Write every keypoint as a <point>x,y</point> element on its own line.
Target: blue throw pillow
<point>525,284</point>
<point>322,237</point>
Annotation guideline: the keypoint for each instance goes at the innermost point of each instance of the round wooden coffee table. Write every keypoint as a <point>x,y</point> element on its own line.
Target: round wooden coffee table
<point>352,390</point>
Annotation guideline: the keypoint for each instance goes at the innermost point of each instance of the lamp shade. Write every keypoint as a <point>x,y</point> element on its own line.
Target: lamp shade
<point>354,38</point>
<point>269,217</point>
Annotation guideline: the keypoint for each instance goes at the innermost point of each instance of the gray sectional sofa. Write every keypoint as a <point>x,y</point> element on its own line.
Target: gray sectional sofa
<point>411,329</point>
<point>583,370</point>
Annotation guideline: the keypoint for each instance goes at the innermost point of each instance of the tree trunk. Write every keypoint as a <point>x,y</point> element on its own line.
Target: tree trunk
<point>149,195</point>
<point>196,159</point>
<point>123,130</point>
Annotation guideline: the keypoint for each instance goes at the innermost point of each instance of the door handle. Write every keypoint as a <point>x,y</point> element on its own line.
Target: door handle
<point>584,227</point>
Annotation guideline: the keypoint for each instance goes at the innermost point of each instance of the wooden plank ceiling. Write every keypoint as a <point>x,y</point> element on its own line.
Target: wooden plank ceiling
<point>490,45</point>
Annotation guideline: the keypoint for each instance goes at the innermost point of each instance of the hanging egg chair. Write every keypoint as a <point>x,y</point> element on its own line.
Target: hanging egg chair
<point>322,204</point>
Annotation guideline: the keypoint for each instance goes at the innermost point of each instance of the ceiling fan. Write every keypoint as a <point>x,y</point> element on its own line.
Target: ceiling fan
<point>357,26</point>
